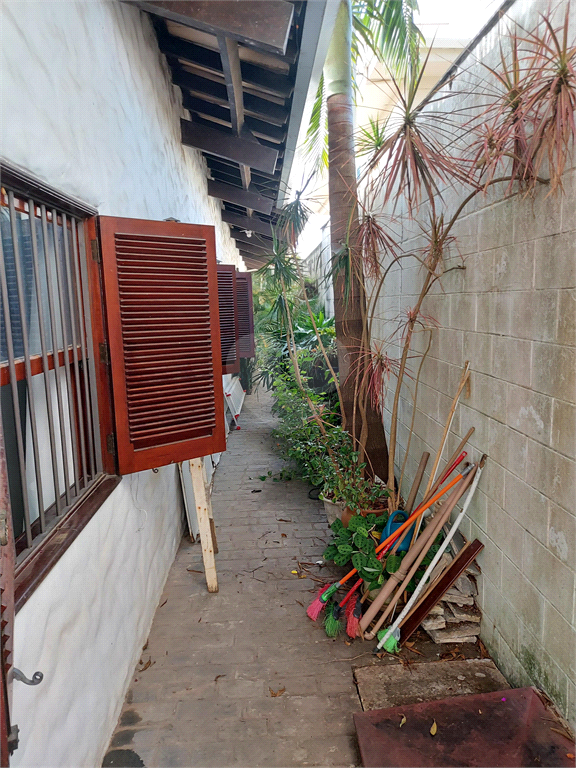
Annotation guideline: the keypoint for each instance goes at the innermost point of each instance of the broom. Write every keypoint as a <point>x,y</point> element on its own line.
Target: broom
<point>315,608</point>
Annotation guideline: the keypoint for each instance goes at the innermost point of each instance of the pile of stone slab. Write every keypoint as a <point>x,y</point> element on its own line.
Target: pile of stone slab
<point>456,618</point>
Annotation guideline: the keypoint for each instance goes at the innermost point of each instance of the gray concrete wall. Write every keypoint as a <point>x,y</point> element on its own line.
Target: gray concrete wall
<point>511,312</point>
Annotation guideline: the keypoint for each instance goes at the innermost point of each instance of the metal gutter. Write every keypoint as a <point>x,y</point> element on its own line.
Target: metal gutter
<point>318,25</point>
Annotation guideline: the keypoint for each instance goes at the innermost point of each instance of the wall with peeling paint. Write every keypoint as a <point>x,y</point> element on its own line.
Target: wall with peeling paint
<point>511,312</point>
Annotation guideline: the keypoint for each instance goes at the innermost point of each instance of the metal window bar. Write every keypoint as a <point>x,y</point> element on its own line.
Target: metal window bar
<point>77,381</point>
<point>44,351</point>
<point>27,367</point>
<point>15,398</point>
<point>76,359</point>
<point>63,319</point>
<point>54,329</point>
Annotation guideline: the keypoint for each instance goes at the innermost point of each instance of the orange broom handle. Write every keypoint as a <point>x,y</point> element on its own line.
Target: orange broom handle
<point>417,512</point>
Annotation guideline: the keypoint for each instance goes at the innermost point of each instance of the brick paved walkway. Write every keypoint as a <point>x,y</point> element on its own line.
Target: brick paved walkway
<point>206,699</point>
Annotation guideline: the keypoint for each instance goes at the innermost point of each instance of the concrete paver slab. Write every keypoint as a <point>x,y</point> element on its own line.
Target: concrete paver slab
<point>205,698</point>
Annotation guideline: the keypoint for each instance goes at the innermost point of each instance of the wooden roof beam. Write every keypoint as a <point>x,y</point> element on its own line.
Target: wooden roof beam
<point>235,148</point>
<point>247,198</point>
<point>252,74</point>
<point>218,94</point>
<point>249,223</point>
<point>261,24</point>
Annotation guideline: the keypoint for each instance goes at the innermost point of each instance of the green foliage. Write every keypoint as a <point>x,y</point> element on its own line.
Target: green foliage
<point>356,544</point>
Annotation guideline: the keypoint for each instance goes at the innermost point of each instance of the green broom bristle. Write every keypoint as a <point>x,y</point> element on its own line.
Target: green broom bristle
<point>332,625</point>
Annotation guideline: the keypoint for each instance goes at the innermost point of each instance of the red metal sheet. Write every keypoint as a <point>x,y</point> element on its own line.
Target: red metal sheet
<point>502,728</point>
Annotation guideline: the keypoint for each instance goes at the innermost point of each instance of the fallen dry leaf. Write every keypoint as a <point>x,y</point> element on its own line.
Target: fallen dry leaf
<point>283,535</point>
<point>148,664</point>
<point>279,692</point>
<point>402,721</point>
<point>218,677</point>
<point>434,729</point>
<point>569,755</point>
<point>281,520</point>
<point>561,732</point>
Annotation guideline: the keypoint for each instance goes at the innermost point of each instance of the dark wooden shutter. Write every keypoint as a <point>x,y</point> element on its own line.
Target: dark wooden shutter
<point>228,318</point>
<point>7,562</point>
<point>245,314</point>
<point>161,296</point>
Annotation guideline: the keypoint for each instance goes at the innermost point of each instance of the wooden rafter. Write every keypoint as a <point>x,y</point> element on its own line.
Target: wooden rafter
<point>221,144</point>
<point>242,197</point>
<point>239,19</point>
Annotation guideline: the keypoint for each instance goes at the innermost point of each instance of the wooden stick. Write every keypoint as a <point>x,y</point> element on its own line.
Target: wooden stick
<point>416,484</point>
<point>463,379</point>
<point>421,548</point>
<point>443,584</point>
<point>203,509</point>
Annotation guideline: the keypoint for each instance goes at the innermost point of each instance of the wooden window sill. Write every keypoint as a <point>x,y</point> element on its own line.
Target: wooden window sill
<point>32,571</point>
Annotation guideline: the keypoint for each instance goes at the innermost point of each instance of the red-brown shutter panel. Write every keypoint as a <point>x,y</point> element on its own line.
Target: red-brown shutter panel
<point>245,314</point>
<point>161,298</point>
<point>228,318</point>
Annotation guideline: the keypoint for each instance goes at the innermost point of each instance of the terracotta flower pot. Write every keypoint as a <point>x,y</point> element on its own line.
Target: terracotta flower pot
<point>348,514</point>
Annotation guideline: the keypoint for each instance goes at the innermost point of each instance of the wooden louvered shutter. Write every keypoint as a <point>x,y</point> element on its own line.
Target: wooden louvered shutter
<point>228,318</point>
<point>161,297</point>
<point>245,314</point>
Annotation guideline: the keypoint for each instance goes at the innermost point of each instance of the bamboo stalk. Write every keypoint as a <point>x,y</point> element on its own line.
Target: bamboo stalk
<point>463,379</point>
<point>416,484</point>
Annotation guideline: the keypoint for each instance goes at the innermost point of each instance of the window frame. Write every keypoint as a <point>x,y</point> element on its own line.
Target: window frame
<point>35,562</point>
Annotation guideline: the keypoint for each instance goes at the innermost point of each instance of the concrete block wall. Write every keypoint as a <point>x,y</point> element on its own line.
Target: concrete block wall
<point>511,312</point>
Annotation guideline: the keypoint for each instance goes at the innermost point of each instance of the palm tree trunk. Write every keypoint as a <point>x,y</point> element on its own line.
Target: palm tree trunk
<point>349,295</point>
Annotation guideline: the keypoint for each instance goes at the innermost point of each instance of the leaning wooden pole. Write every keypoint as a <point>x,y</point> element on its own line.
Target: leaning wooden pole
<point>204,514</point>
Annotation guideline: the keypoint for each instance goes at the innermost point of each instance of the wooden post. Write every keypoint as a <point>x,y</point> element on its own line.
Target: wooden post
<point>203,511</point>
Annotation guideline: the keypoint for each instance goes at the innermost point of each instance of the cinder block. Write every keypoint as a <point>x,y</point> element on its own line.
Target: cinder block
<point>494,314</point>
<point>555,261</point>
<point>549,575</point>
<point>478,349</point>
<point>529,412</point>
<point>562,534</point>
<point>554,371</point>
<point>527,506</point>
<point>514,267</point>
<point>560,640</point>
<point>479,272</point>
<point>534,314</point>
<point>463,311</point>
<point>487,396</point>
<point>502,528</point>
<point>527,602</point>
<point>552,473</point>
<point>566,333</point>
<point>511,359</point>
<point>563,438</point>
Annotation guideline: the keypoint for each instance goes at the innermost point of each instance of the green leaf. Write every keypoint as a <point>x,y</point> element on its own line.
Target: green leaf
<point>393,562</point>
<point>330,552</point>
<point>337,526</point>
<point>341,559</point>
<point>359,561</point>
<point>345,549</point>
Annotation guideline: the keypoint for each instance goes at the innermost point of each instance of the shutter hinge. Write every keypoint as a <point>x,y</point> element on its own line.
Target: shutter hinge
<point>111,444</point>
<point>95,248</point>
<point>13,739</point>
<point>104,352</point>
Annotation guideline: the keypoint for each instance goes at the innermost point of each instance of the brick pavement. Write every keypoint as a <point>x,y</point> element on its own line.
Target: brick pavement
<point>206,700</point>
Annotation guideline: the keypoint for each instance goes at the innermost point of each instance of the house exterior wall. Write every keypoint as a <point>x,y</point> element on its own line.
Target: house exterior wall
<point>511,312</point>
<point>88,106</point>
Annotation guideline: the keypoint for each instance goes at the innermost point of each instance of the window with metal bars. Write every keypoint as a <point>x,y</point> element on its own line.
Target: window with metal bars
<point>110,358</point>
<point>48,402</point>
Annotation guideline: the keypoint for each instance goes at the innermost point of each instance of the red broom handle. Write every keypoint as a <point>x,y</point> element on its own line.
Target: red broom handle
<point>422,508</point>
<point>453,466</point>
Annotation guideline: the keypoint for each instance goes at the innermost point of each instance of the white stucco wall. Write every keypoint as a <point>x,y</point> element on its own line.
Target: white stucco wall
<point>87,104</point>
